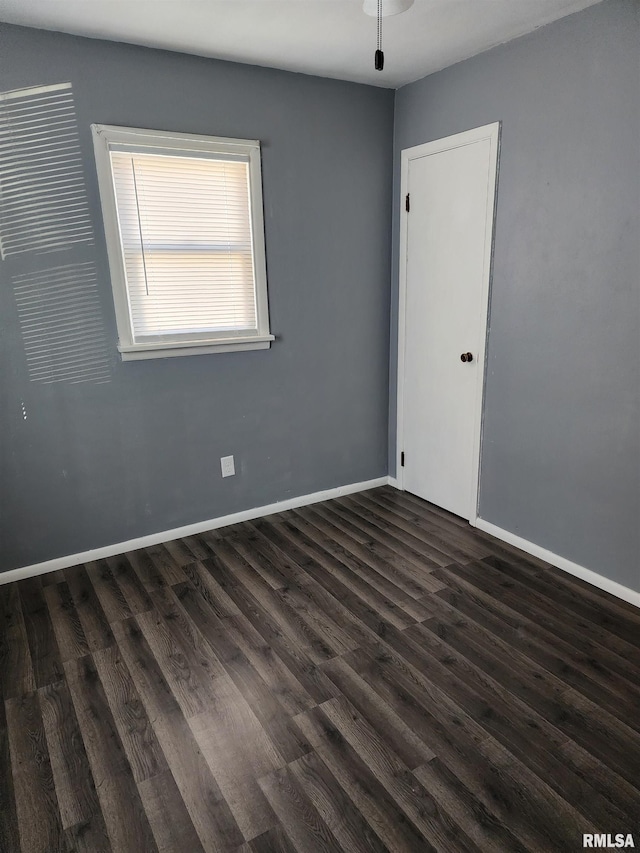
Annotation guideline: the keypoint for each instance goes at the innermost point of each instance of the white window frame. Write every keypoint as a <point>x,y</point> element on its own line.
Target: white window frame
<point>107,138</point>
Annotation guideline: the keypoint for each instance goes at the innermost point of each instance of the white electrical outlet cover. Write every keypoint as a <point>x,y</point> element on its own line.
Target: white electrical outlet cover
<point>227,466</point>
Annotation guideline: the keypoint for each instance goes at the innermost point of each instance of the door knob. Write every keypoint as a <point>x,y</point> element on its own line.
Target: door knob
<point>466,356</point>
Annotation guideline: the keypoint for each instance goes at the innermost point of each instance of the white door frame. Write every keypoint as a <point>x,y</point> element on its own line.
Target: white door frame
<point>492,133</point>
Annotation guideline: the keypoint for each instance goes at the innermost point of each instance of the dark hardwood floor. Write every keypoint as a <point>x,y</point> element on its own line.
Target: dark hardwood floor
<point>366,674</point>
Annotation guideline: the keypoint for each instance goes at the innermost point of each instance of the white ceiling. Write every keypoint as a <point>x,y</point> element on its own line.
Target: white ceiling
<point>330,38</point>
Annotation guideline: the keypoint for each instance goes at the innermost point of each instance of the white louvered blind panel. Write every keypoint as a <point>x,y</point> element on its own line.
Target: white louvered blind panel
<point>185,227</point>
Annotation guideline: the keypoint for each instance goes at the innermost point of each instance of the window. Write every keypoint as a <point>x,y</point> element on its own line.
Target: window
<point>185,236</point>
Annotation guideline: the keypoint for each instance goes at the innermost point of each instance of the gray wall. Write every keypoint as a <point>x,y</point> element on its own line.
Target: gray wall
<point>95,464</point>
<point>561,449</point>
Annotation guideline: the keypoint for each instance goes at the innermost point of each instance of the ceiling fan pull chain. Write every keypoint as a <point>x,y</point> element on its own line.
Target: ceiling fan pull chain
<point>379,57</point>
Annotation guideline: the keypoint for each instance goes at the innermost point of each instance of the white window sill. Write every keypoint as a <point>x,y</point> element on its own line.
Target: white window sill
<point>136,352</point>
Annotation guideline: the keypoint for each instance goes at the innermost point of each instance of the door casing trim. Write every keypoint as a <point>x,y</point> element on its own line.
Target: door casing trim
<point>492,132</point>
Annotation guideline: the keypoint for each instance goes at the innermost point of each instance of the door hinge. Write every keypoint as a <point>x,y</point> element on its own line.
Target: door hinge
<point>402,459</point>
<point>407,204</point>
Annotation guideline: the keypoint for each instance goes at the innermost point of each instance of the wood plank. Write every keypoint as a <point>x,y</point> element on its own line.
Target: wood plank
<point>257,672</point>
<point>236,572</point>
<point>453,525</point>
<point>169,568</point>
<point>283,561</point>
<point>403,543</point>
<point>381,812</point>
<point>251,649</point>
<point>555,577</point>
<point>239,752</point>
<point>140,744</point>
<point>339,814</point>
<point>272,566</point>
<point>434,823</point>
<point>460,543</point>
<point>89,836</point>
<point>36,804</point>
<point>360,575</point>
<point>305,593</point>
<point>623,795</point>
<point>209,812</point>
<point>16,669</point>
<point>197,546</point>
<point>204,578</point>
<point>203,617</point>
<point>624,621</point>
<point>401,587</point>
<point>171,825</point>
<point>52,578</point>
<point>45,656</point>
<point>147,571</point>
<point>179,553</point>
<point>11,606</point>
<point>507,788</point>
<point>538,608</point>
<point>81,816</point>
<point>442,534</point>
<point>119,799</point>
<point>149,680</point>
<point>610,670</point>
<point>376,601</point>
<point>272,841</point>
<point>409,748</point>
<point>188,680</point>
<point>74,786</point>
<point>67,626</point>
<point>578,718</point>
<point>297,814</point>
<point>444,516</point>
<point>186,633</point>
<point>615,693</point>
<point>415,581</point>
<point>92,618</point>
<point>9,837</point>
<point>110,596</point>
<point>132,588</point>
<point>281,731</point>
<point>473,817</point>
<point>304,670</point>
<point>438,721</point>
<point>326,616</point>
<point>386,517</point>
<point>370,617</point>
<point>504,716</point>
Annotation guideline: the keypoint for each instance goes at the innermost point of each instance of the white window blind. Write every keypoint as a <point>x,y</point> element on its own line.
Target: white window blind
<point>185,226</point>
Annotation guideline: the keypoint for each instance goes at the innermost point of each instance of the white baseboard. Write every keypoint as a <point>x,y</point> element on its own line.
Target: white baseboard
<point>187,530</point>
<point>587,575</point>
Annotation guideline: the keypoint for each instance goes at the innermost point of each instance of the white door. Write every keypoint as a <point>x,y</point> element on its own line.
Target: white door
<point>444,284</point>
